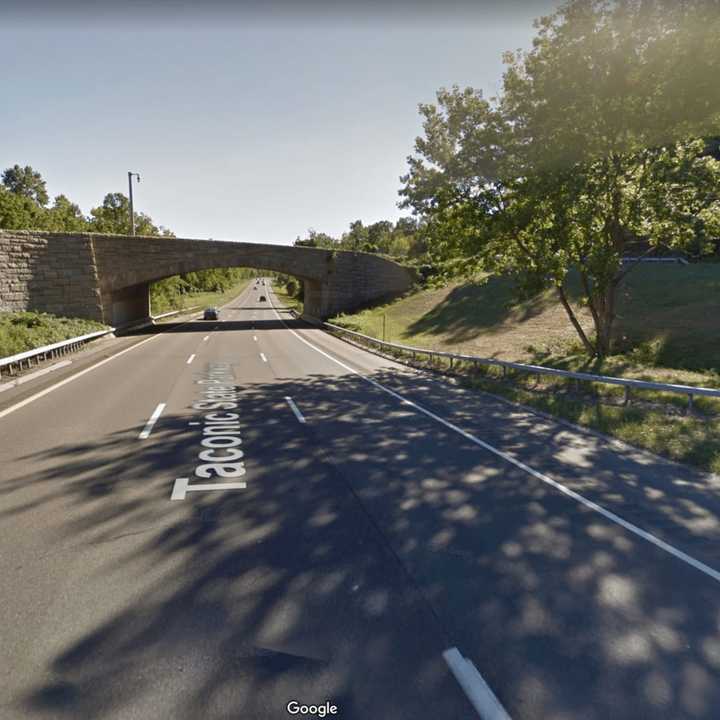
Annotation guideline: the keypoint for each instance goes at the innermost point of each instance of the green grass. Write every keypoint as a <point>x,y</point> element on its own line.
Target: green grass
<point>21,331</point>
<point>666,331</point>
<point>287,300</point>
<point>202,299</point>
<point>687,438</point>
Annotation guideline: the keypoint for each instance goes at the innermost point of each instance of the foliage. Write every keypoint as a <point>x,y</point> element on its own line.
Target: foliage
<point>21,331</point>
<point>64,216</point>
<point>403,239</point>
<point>19,212</point>
<point>24,206</point>
<point>113,217</point>
<point>27,183</point>
<point>589,151</point>
<point>171,293</point>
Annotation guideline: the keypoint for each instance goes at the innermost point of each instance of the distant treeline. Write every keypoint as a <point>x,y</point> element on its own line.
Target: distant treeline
<point>170,293</point>
<point>25,205</point>
<point>405,238</point>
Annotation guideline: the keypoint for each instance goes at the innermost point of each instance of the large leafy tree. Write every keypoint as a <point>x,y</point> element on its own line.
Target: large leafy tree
<point>588,149</point>
<point>19,212</point>
<point>26,182</point>
<point>64,216</point>
<point>113,217</point>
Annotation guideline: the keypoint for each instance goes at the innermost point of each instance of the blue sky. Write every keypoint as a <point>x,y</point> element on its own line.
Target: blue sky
<point>242,127</point>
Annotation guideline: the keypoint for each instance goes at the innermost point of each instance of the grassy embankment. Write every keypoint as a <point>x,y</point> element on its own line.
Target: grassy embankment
<point>21,331</point>
<point>667,331</point>
<point>285,299</point>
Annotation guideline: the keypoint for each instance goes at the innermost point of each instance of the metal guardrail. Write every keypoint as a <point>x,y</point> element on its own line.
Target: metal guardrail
<point>54,350</point>
<point>629,384</point>
<point>71,344</point>
<point>175,312</point>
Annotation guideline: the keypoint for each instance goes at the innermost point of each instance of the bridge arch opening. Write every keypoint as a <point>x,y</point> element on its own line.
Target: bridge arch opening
<point>177,292</point>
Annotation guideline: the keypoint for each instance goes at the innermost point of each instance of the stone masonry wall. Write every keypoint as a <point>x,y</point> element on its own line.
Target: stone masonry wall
<point>49,273</point>
<point>98,276</point>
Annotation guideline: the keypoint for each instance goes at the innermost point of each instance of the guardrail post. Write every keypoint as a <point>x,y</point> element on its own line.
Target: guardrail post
<point>691,406</point>
<point>626,397</point>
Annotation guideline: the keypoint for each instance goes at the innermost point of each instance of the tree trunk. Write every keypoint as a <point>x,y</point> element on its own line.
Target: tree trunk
<point>607,321</point>
<point>573,319</point>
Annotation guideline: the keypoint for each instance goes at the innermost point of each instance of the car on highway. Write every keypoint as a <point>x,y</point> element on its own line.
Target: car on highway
<point>262,298</point>
<point>211,314</point>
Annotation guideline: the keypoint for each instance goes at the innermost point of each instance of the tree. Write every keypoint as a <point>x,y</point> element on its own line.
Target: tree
<point>379,236</point>
<point>18,212</point>
<point>113,217</point>
<point>357,238</point>
<point>316,239</point>
<point>589,147</point>
<point>64,216</point>
<point>26,182</point>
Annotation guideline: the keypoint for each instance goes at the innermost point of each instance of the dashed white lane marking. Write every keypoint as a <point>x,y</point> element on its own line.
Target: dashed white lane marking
<point>182,486</point>
<point>33,375</point>
<point>145,434</point>
<point>262,355</point>
<point>473,684</point>
<point>206,338</point>
<point>190,359</point>
<point>193,423</point>
<point>630,527</point>
<point>77,375</point>
<point>295,409</point>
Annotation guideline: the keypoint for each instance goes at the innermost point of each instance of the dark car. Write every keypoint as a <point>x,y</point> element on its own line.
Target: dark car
<point>262,298</point>
<point>211,314</point>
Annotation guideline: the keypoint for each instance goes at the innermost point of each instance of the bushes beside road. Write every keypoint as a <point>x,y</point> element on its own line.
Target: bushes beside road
<point>22,331</point>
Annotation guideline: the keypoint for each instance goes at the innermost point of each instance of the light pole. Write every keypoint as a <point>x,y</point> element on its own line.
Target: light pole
<point>132,209</point>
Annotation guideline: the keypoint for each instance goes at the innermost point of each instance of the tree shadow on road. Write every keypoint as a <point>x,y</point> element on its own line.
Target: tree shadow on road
<point>367,541</point>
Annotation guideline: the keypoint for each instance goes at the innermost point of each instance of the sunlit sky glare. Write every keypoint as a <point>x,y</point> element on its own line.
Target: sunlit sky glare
<point>245,124</point>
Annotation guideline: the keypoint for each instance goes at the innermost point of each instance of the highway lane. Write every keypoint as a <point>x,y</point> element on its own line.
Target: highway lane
<point>367,540</point>
<point>588,620</point>
<point>126,604</point>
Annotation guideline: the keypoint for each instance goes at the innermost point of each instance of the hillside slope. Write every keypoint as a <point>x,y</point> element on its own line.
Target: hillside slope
<point>668,317</point>
<point>668,330</point>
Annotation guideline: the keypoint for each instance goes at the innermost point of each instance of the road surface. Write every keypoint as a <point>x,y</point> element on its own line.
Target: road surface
<point>217,519</point>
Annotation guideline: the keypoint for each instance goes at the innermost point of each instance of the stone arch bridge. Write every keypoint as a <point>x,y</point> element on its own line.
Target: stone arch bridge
<point>107,277</point>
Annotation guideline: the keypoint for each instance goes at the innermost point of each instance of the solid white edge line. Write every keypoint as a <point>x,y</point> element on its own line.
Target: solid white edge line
<point>630,527</point>
<point>262,355</point>
<point>38,373</point>
<point>57,385</point>
<point>190,359</point>
<point>145,434</point>
<point>296,411</point>
<point>478,692</point>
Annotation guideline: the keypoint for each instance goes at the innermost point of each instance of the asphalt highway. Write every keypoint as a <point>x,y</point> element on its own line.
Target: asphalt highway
<point>218,519</point>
